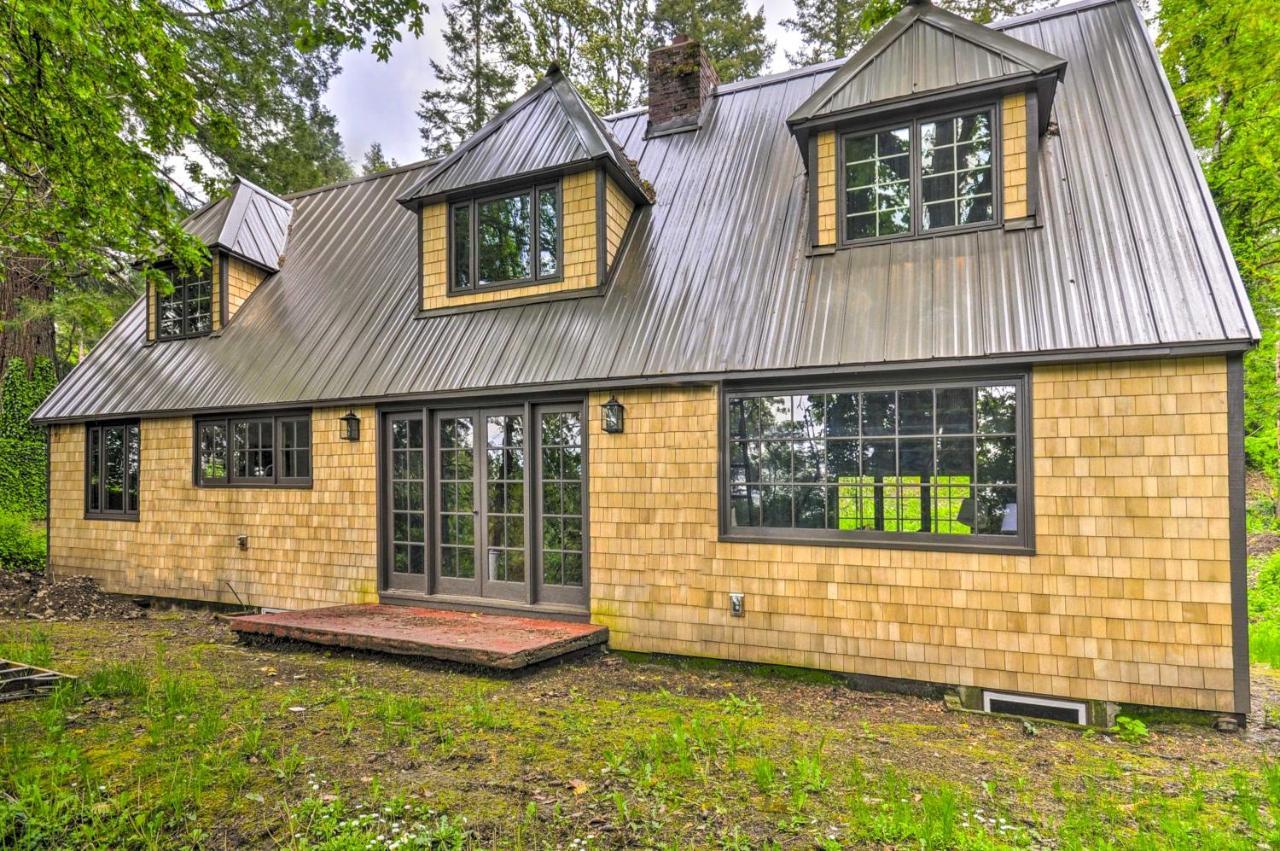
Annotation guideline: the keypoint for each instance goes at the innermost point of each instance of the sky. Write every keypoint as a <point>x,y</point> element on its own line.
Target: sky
<point>377,101</point>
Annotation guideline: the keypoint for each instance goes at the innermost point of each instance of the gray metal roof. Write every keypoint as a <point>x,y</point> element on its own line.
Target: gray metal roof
<point>715,280</point>
<point>549,127</point>
<point>925,49</point>
<point>249,222</point>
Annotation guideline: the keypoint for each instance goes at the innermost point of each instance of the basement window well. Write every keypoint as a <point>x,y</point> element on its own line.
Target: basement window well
<point>1048,708</point>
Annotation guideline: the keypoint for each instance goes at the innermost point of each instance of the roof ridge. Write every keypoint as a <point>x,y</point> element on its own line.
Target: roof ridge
<point>377,175</point>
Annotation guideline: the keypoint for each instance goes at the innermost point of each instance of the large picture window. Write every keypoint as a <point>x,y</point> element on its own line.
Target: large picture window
<point>253,450</point>
<point>112,461</point>
<point>188,310</point>
<point>934,463</point>
<point>919,177</point>
<point>505,240</point>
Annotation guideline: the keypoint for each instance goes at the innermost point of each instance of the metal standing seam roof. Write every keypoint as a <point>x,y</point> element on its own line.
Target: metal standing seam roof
<point>549,127</point>
<point>249,222</point>
<point>714,279</point>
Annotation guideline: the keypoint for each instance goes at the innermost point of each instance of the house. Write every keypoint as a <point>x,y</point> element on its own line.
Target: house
<point>923,365</point>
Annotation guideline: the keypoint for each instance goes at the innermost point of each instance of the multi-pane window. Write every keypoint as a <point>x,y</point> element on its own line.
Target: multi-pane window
<point>112,459</point>
<point>877,183</point>
<point>920,177</point>
<point>254,450</point>
<point>955,171</point>
<point>504,497</point>
<point>457,497</point>
<point>408,496</point>
<point>560,440</point>
<point>939,461</point>
<point>188,310</point>
<point>509,239</point>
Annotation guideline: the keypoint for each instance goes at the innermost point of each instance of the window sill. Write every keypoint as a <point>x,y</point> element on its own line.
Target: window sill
<point>116,518</point>
<point>289,486</point>
<point>1015,547</point>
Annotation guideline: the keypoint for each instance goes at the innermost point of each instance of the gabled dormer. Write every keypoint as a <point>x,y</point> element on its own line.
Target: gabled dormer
<point>534,206</point>
<point>245,232</point>
<point>933,127</point>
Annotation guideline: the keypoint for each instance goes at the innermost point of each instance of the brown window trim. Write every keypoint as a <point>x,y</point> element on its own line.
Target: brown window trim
<point>473,261</point>
<point>1021,543</point>
<point>228,421</point>
<point>90,461</point>
<point>916,230</point>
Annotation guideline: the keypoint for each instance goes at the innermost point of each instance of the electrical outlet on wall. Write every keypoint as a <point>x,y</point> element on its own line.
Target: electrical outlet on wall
<point>737,604</point>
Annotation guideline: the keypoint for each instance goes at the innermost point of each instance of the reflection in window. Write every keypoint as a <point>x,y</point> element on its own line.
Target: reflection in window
<point>113,457</point>
<point>955,171</point>
<point>878,183</point>
<point>188,310</point>
<point>507,240</point>
<point>935,460</point>
<point>561,497</point>
<point>504,494</point>
<point>263,450</point>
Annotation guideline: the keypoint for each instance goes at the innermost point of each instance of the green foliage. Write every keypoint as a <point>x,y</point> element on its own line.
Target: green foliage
<point>479,77</point>
<point>615,58</point>
<point>1131,729</point>
<point>375,161</point>
<point>27,647</point>
<point>22,543</point>
<point>22,458</point>
<point>733,37</point>
<point>1223,60</point>
<point>1264,613</point>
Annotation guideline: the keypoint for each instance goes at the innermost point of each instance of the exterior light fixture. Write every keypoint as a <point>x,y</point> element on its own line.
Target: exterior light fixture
<point>611,415</point>
<point>351,426</point>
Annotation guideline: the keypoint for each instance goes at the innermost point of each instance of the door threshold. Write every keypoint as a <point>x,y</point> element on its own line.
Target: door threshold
<point>551,611</point>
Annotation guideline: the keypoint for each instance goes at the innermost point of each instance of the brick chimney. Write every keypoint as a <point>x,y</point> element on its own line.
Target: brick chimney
<point>681,82</point>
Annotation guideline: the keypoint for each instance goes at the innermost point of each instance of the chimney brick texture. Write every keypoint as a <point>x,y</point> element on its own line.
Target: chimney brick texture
<point>681,80</point>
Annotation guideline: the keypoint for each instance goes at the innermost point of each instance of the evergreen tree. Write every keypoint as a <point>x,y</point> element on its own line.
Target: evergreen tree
<point>615,58</point>
<point>555,32</point>
<point>375,161</point>
<point>479,78</point>
<point>733,37</point>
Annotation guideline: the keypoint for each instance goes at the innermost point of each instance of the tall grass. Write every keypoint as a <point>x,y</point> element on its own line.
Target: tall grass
<point>1264,614</point>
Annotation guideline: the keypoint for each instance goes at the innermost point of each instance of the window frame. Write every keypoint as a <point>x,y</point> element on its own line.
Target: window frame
<point>277,420</point>
<point>1020,543</point>
<point>473,260</point>
<point>916,229</point>
<point>171,271</point>
<point>102,512</point>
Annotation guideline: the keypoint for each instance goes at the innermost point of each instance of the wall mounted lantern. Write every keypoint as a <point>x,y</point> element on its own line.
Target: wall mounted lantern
<point>611,415</point>
<point>351,426</point>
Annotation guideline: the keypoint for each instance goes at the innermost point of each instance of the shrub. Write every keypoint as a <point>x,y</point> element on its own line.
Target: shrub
<point>22,544</point>
<point>1131,730</point>
<point>22,445</point>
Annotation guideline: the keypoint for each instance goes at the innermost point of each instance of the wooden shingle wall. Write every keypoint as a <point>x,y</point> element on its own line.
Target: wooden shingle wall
<point>1013,141</point>
<point>242,279</point>
<point>307,547</point>
<point>579,259</point>
<point>1127,598</point>
<point>617,214</point>
<point>827,188</point>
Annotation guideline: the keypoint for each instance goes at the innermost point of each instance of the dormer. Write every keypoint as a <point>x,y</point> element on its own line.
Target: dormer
<point>245,232</point>
<point>932,128</point>
<point>534,206</point>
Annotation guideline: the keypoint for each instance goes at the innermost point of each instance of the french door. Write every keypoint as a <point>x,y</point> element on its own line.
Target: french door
<point>487,503</point>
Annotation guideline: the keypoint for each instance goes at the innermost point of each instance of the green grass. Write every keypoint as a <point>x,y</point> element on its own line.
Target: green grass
<point>175,737</point>
<point>1264,613</point>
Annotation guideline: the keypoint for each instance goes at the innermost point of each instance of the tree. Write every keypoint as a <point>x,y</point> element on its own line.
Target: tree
<point>615,58</point>
<point>555,33</point>
<point>1223,60</point>
<point>479,77</point>
<point>733,37</point>
<point>833,29</point>
<point>375,161</point>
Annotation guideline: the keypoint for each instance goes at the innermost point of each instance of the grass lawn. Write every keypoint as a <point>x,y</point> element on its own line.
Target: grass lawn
<point>176,736</point>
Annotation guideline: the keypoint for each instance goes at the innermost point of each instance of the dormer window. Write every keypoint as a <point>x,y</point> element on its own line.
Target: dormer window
<point>188,310</point>
<point>506,240</point>
<point>919,177</point>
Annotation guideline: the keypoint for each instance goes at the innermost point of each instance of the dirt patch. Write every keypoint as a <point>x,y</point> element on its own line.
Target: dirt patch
<point>1263,543</point>
<point>71,598</point>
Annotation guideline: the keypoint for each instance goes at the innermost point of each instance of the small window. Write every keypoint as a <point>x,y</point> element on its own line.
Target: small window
<point>508,240</point>
<point>911,463</point>
<point>254,450</point>
<point>112,460</point>
<point>188,310</point>
<point>924,177</point>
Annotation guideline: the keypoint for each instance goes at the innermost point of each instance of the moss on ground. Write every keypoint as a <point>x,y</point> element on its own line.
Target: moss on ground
<point>176,736</point>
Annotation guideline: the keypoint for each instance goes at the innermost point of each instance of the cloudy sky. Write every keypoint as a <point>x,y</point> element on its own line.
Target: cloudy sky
<point>376,101</point>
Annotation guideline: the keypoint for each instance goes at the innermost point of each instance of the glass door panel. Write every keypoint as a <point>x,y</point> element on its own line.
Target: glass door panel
<point>503,514</point>
<point>561,497</point>
<point>407,502</point>
<point>458,512</point>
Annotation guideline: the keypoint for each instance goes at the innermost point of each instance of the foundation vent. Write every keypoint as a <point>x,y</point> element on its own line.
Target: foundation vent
<point>1048,708</point>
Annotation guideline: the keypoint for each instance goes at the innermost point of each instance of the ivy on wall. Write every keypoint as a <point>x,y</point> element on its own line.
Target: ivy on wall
<point>22,445</point>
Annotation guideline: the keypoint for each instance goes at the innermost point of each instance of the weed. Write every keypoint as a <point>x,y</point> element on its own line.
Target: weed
<point>1131,730</point>
<point>27,647</point>
<point>764,773</point>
